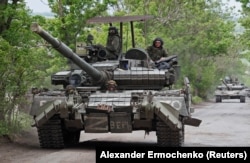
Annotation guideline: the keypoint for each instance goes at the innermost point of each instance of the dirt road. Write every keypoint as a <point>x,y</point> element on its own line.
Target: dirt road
<point>223,124</point>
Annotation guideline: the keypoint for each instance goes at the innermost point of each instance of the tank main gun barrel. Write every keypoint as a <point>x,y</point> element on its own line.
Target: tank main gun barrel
<point>225,84</point>
<point>97,75</point>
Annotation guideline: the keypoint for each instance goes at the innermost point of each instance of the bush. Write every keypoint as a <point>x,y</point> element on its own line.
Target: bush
<point>196,100</point>
<point>4,130</point>
<point>20,122</point>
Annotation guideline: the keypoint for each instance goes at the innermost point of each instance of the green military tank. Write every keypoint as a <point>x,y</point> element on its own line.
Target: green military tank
<point>119,97</point>
<point>230,89</point>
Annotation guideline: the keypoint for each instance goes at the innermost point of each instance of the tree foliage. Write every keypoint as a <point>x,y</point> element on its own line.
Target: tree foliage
<point>243,40</point>
<point>70,17</point>
<point>22,62</point>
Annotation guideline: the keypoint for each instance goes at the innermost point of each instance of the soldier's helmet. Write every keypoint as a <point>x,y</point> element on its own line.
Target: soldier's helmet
<point>158,39</point>
<point>113,31</point>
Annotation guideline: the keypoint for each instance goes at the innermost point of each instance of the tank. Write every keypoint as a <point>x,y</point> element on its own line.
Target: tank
<point>123,97</point>
<point>230,89</point>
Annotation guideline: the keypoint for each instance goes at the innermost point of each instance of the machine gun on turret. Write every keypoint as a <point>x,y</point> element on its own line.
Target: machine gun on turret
<point>96,53</point>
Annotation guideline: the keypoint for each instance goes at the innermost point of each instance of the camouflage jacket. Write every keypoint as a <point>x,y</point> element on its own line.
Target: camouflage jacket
<point>113,44</point>
<point>156,53</point>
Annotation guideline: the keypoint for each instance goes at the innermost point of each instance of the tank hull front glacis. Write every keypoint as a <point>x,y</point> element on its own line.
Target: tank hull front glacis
<point>112,112</point>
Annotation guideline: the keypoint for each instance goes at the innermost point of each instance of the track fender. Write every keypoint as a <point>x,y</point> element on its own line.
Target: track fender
<point>167,114</point>
<point>48,110</point>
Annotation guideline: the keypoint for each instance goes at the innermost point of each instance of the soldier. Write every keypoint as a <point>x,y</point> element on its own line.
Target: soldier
<point>113,46</point>
<point>90,39</point>
<point>157,53</point>
<point>113,42</point>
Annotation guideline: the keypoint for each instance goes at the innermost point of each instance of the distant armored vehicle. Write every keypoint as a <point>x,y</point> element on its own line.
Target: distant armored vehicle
<point>230,90</point>
<point>114,97</point>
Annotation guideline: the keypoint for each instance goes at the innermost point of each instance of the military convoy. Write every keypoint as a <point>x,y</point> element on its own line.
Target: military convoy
<point>230,89</point>
<point>112,96</point>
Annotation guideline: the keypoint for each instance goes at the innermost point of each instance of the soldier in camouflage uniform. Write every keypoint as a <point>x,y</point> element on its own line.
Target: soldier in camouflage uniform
<point>157,53</point>
<point>113,42</point>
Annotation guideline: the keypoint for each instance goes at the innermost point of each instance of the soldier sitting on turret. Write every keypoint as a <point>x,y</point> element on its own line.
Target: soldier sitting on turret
<point>157,54</point>
<point>113,45</point>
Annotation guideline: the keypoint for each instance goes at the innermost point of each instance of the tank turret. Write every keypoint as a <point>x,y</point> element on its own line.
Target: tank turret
<point>139,73</point>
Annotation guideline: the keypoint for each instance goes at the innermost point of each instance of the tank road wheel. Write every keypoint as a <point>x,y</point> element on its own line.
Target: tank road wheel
<point>242,99</point>
<point>51,134</point>
<point>218,99</point>
<point>167,137</point>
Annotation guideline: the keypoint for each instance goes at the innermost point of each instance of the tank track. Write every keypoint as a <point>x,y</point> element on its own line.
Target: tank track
<point>51,134</point>
<point>71,137</point>
<point>167,137</point>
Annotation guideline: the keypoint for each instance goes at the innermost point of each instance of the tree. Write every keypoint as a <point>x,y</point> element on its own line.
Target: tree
<point>20,63</point>
<point>71,16</point>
